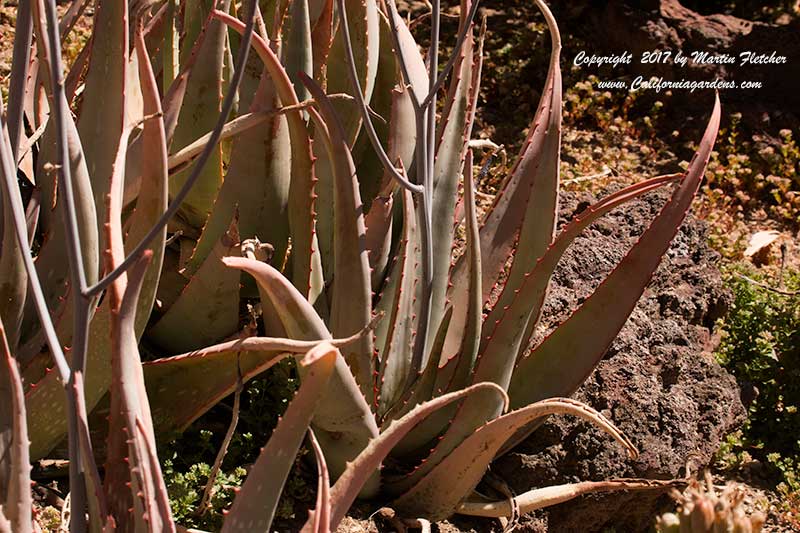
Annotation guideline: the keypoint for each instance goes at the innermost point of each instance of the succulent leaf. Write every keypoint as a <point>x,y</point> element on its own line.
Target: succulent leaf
<point>395,333</point>
<point>528,198</point>
<point>201,378</point>
<point>346,489</point>
<point>369,167</point>
<point>351,294</point>
<point>362,16</point>
<point>306,266</point>
<point>454,134</point>
<point>547,496</point>
<point>152,197</point>
<point>322,510</point>
<point>297,53</point>
<point>106,82</point>
<point>199,111</point>
<point>406,47</point>
<point>437,491</point>
<point>13,278</point>
<point>321,14</point>
<point>503,338</point>
<point>131,441</point>
<point>15,479</point>
<point>207,310</point>
<point>255,504</point>
<point>256,184</point>
<point>343,422</point>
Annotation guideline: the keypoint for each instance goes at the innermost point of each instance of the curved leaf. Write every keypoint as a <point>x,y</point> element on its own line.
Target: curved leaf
<point>255,504</point>
<point>346,489</point>
<point>17,504</point>
<point>101,126</point>
<point>351,298</point>
<point>547,496</point>
<point>394,335</point>
<point>201,378</point>
<point>437,493</point>
<point>208,308</point>
<point>256,184</point>
<point>343,422</point>
<point>453,137</point>
<point>525,207</point>
<point>306,266</point>
<point>200,108</point>
<point>13,278</point>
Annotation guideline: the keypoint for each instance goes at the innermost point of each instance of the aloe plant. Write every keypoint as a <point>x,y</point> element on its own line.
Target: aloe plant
<point>327,147</point>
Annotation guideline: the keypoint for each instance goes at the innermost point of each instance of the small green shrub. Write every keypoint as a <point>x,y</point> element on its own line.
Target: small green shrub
<point>761,347</point>
<point>185,490</point>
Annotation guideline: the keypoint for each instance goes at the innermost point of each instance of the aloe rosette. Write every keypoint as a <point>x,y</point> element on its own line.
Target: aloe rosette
<point>348,155</point>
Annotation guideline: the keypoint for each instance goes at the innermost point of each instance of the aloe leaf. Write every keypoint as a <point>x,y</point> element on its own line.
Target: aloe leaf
<point>50,261</point>
<point>13,278</point>
<point>578,344</point>
<point>297,52</point>
<point>344,424</point>
<point>23,34</point>
<point>351,300</point>
<point>365,34</point>
<point>99,519</point>
<point>47,420</point>
<point>322,510</point>
<point>100,127</point>
<point>201,379</point>
<point>47,409</point>
<point>393,122</point>
<point>417,441</point>
<point>437,493</point>
<point>504,340</point>
<point>378,237</point>
<point>255,504</point>
<point>199,112</point>
<point>171,44</point>
<point>257,184</point>
<point>306,266</point>
<point>184,156</point>
<point>541,213</point>
<point>346,489</point>
<point>176,92</point>
<point>16,487</point>
<point>152,198</point>
<point>362,16</point>
<point>133,477</point>
<point>471,320</point>
<point>455,372</point>
<point>525,207</point>
<point>395,333</point>
<point>454,134</point>
<point>321,14</point>
<point>171,104</point>
<point>406,47</point>
<point>547,496</point>
<point>208,308</point>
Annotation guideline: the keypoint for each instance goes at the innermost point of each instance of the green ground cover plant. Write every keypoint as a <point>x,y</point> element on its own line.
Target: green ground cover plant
<point>761,346</point>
